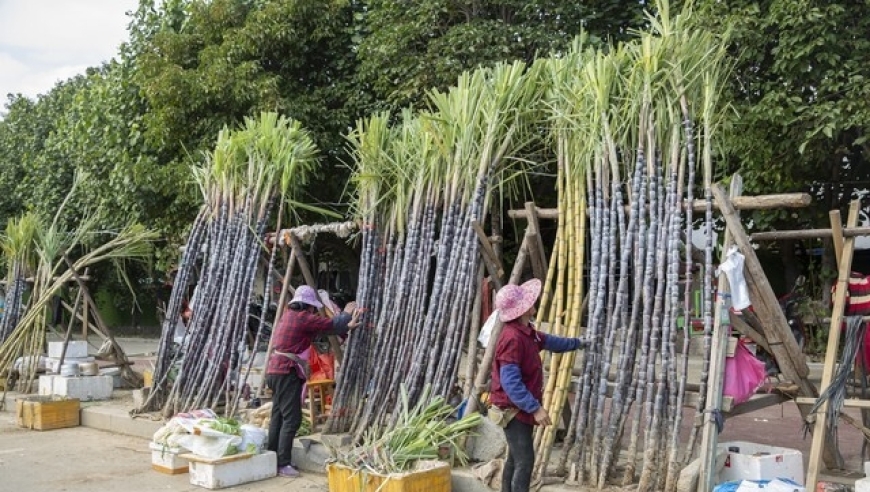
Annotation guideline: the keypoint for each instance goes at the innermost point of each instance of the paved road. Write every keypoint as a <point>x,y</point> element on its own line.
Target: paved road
<point>81,459</point>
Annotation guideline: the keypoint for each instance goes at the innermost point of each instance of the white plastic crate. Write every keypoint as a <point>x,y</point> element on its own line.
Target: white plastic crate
<point>232,470</point>
<point>751,461</point>
<point>85,388</point>
<point>74,349</point>
<point>167,460</point>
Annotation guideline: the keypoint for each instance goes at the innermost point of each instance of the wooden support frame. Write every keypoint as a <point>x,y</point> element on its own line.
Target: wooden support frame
<point>820,437</point>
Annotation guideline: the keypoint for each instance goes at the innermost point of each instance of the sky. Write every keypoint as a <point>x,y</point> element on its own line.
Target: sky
<point>45,41</point>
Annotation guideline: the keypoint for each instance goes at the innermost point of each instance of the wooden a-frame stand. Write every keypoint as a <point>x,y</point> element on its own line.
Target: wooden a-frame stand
<point>844,245</point>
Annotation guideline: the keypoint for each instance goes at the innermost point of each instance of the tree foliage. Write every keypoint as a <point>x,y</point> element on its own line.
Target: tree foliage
<point>802,105</point>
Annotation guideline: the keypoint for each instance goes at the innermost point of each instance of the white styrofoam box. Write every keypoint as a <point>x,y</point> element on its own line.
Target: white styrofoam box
<point>232,470</point>
<point>53,364</point>
<point>167,460</point>
<point>862,485</point>
<point>751,461</point>
<point>867,468</point>
<point>74,349</point>
<point>85,388</point>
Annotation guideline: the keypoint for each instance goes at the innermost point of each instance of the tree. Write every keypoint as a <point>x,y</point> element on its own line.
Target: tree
<point>802,105</point>
<point>408,48</point>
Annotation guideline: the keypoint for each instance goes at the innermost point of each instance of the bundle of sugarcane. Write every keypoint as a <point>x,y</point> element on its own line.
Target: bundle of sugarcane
<point>423,431</point>
<point>268,159</point>
<point>623,128</point>
<point>19,252</point>
<point>439,167</point>
<point>52,245</point>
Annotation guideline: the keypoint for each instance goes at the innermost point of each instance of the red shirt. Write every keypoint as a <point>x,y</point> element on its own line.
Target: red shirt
<point>520,345</point>
<point>294,334</point>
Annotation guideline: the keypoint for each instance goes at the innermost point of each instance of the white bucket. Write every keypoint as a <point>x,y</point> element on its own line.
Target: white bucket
<point>251,434</point>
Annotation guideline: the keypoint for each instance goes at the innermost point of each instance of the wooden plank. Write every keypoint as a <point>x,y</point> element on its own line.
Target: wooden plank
<point>837,234</point>
<point>709,431</point>
<point>809,234</point>
<point>757,402</point>
<point>740,324</point>
<point>820,429</point>
<point>215,461</point>
<point>848,402</point>
<point>759,202</point>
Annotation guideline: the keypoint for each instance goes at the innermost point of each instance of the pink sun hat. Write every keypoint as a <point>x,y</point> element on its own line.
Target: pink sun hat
<point>512,301</point>
<point>307,295</point>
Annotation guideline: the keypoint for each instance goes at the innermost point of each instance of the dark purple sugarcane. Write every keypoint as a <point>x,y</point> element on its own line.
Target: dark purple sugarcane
<point>618,324</point>
<point>640,382</point>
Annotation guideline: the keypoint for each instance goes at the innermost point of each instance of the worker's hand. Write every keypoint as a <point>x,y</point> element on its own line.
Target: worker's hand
<point>582,343</point>
<point>350,307</point>
<point>542,417</point>
<point>354,319</point>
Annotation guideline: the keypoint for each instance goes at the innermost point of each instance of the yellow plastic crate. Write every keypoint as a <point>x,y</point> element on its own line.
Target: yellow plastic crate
<point>430,479</point>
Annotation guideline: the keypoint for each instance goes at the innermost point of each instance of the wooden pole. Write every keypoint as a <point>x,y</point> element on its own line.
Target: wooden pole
<point>820,437</point>
<point>718,350</point>
<point>482,379</point>
<point>837,234</point>
<point>69,330</point>
<point>312,282</point>
<point>493,265</point>
<point>282,301</point>
<point>810,233</point>
<point>760,202</point>
<point>535,244</point>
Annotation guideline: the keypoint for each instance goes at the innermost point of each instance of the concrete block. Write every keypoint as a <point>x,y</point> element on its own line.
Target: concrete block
<point>118,421</point>
<point>488,443</point>
<point>336,441</point>
<point>74,349</point>
<point>309,455</point>
<point>85,388</point>
<point>139,397</point>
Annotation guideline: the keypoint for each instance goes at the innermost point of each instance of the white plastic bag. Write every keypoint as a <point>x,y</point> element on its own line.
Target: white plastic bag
<point>733,268</point>
<point>486,329</point>
<point>253,439</point>
<point>211,446</point>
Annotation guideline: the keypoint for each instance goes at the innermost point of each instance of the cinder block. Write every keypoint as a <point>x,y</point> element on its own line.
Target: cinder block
<point>74,349</point>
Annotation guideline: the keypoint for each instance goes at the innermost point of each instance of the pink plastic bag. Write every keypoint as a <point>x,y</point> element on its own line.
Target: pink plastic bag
<point>744,374</point>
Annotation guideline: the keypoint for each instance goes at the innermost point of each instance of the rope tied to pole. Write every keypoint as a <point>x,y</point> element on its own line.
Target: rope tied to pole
<point>835,394</point>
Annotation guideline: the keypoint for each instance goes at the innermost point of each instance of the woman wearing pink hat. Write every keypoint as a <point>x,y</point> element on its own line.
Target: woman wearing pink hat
<point>518,379</point>
<point>288,366</point>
